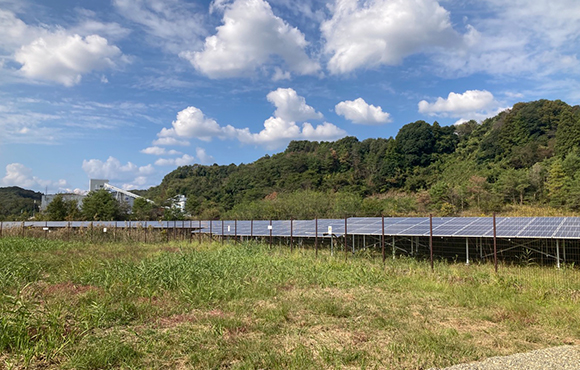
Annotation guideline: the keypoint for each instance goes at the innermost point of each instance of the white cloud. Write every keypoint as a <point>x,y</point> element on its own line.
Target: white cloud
<point>56,54</point>
<point>251,35</point>
<point>170,141</point>
<point>457,104</point>
<point>155,150</point>
<point>113,170</point>
<point>192,123</point>
<point>278,130</point>
<point>203,157</point>
<point>472,104</point>
<point>518,37</point>
<point>186,159</point>
<point>15,32</point>
<point>65,58</point>
<point>290,106</point>
<point>384,32</point>
<point>19,175</point>
<point>358,111</point>
<point>174,25</point>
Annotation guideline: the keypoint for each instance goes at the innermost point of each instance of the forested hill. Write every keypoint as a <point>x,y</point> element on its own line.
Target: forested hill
<point>18,203</point>
<point>526,155</point>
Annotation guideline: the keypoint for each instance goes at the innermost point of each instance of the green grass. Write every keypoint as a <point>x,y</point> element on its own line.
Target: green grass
<point>245,306</point>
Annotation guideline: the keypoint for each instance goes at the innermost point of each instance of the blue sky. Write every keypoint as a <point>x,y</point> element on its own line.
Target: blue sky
<point>130,89</point>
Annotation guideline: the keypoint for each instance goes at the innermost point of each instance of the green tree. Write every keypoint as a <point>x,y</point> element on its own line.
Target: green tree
<point>57,210</point>
<point>557,184</point>
<point>568,133</point>
<point>100,205</point>
<point>415,141</point>
<point>142,210</point>
<point>61,209</point>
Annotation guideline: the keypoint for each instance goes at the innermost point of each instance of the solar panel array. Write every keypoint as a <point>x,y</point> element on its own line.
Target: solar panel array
<point>506,227</point>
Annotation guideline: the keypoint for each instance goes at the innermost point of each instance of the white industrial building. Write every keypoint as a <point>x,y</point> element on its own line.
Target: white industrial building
<point>120,194</point>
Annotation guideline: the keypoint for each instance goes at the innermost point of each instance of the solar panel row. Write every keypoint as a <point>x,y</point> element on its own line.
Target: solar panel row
<point>506,227</point>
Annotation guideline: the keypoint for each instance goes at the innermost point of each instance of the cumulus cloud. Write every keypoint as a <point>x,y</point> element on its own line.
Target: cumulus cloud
<point>472,104</point>
<point>56,54</point>
<point>250,37</point>
<point>291,109</point>
<point>112,169</point>
<point>290,106</point>
<point>457,104</point>
<point>192,123</point>
<point>181,161</point>
<point>65,58</point>
<point>384,32</point>
<point>358,111</point>
<point>18,174</point>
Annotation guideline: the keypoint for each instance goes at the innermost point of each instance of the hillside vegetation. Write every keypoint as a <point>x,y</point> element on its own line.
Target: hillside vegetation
<point>526,157</point>
<point>18,203</point>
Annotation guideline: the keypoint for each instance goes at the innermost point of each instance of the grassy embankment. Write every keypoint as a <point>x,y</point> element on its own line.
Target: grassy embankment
<point>72,305</point>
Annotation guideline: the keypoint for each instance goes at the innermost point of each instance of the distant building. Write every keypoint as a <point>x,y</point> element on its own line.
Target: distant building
<point>120,195</point>
<point>47,198</point>
<point>96,184</point>
<point>178,202</point>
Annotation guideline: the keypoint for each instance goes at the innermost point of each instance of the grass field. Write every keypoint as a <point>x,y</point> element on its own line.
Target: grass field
<point>245,306</point>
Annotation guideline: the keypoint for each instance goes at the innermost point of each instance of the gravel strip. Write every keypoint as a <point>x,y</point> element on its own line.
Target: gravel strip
<point>556,358</point>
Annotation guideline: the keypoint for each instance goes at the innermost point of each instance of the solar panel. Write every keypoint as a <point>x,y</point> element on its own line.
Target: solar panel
<point>507,227</point>
<point>570,229</point>
<point>541,227</point>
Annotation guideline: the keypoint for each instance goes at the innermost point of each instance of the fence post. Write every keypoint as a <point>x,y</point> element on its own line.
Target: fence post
<point>431,238</point>
<point>236,230</point>
<point>198,230</point>
<point>345,238</point>
<point>383,237</point>
<point>23,229</point>
<point>291,234</point>
<point>251,229</point>
<point>270,233</point>
<point>316,236</point>
<point>558,252</point>
<point>222,221</point>
<point>1,228</point>
<point>494,243</point>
